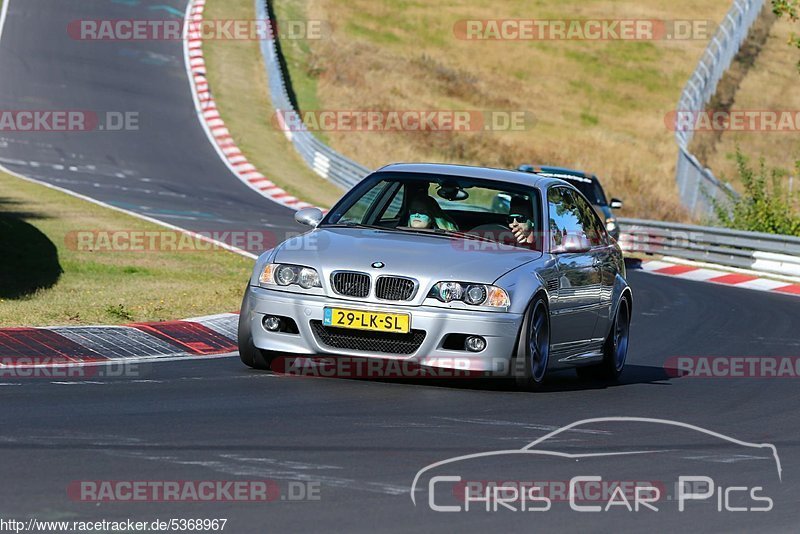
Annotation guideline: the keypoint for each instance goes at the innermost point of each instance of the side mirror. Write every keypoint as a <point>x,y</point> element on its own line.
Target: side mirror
<point>569,248</point>
<point>615,204</point>
<point>309,216</point>
<point>572,244</point>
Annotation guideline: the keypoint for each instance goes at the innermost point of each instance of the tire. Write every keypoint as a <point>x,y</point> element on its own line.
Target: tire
<point>533,347</point>
<point>615,348</point>
<point>250,355</point>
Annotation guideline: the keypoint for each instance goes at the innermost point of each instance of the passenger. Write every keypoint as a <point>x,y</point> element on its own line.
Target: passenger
<point>425,212</point>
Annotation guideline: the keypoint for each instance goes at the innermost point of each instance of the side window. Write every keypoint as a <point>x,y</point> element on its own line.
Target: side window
<point>565,220</point>
<point>590,221</point>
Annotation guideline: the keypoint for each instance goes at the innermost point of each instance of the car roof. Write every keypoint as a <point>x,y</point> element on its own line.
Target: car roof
<point>468,171</point>
<point>567,173</point>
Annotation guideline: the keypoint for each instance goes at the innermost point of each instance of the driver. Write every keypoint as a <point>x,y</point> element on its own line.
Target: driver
<point>425,212</point>
<point>521,225</point>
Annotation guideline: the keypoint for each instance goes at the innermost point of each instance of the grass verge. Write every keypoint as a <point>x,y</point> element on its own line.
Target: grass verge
<point>238,82</point>
<point>46,279</point>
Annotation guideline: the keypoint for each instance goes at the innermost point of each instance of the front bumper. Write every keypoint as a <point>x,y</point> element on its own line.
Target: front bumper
<point>498,329</point>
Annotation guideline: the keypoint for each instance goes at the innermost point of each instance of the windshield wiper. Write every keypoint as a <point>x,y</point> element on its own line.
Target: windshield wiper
<point>359,225</point>
<point>445,233</point>
<point>427,231</point>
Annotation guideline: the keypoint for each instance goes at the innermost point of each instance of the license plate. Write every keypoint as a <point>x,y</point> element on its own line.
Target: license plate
<point>367,320</point>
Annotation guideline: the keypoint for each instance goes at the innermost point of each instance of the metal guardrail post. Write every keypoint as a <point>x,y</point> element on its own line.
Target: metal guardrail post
<point>322,159</point>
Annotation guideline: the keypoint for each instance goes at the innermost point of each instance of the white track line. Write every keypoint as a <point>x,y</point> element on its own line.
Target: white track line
<point>3,15</point>
<point>195,235</point>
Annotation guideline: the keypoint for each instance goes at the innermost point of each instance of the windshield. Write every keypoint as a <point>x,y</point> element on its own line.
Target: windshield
<point>446,205</point>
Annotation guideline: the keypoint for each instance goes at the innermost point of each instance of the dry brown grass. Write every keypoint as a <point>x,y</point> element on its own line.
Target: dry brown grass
<point>704,144</point>
<point>771,84</point>
<point>599,106</point>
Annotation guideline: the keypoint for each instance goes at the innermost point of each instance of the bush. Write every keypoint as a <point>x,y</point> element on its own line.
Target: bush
<point>764,206</point>
<point>790,8</point>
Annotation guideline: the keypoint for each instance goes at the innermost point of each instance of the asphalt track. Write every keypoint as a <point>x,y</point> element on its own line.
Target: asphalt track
<point>165,169</point>
<point>362,441</point>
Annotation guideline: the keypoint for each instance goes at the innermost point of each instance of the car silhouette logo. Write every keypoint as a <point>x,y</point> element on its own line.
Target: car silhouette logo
<point>534,449</point>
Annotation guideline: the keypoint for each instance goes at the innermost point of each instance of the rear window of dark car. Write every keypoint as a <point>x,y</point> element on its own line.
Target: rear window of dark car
<point>590,188</point>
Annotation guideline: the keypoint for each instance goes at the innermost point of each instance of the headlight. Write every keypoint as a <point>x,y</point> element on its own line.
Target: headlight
<point>308,278</point>
<point>447,291</point>
<point>611,224</point>
<point>472,294</point>
<point>475,295</point>
<point>285,275</point>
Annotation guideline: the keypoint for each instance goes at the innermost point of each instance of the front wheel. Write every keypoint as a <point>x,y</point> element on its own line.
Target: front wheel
<point>250,355</point>
<point>533,348</point>
<point>615,349</point>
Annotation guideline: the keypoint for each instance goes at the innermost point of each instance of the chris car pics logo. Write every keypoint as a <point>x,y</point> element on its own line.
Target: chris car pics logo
<point>688,487</point>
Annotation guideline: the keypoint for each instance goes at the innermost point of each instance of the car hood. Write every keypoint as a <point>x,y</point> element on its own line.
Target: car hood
<point>429,259</point>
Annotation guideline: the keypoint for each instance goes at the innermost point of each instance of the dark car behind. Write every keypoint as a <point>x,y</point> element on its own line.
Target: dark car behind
<point>589,185</point>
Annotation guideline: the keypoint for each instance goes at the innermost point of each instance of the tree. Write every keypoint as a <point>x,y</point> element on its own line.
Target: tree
<point>790,8</point>
<point>764,206</point>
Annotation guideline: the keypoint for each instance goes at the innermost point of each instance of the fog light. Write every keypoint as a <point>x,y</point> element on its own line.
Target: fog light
<point>475,343</point>
<point>271,323</point>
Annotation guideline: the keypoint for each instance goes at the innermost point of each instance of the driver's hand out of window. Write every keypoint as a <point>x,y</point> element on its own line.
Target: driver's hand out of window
<point>523,231</point>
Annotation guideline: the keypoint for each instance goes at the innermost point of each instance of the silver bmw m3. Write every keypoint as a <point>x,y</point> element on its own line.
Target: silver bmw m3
<point>420,263</point>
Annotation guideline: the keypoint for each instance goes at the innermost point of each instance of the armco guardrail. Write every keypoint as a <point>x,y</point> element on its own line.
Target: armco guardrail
<point>325,161</point>
<point>696,183</point>
<point>769,253</point>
